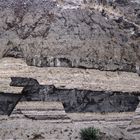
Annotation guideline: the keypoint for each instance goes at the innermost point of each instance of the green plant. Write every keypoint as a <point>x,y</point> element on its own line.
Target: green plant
<point>89,133</point>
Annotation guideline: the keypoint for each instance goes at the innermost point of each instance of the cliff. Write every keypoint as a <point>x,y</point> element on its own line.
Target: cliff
<point>76,33</point>
<point>72,64</point>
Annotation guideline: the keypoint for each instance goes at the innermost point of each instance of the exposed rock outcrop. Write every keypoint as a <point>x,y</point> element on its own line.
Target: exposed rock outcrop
<point>51,111</point>
<point>69,78</point>
<point>72,33</point>
<point>73,100</point>
<point>90,34</point>
<point>8,102</point>
<point>36,129</point>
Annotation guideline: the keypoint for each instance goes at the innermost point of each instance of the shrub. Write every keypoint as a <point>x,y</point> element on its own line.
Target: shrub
<point>89,133</point>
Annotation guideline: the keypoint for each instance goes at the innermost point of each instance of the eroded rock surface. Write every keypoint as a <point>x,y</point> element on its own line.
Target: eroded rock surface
<point>34,129</point>
<point>72,33</point>
<point>69,78</point>
<point>73,100</point>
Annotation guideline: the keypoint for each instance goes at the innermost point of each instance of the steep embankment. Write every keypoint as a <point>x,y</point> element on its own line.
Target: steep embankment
<point>71,33</point>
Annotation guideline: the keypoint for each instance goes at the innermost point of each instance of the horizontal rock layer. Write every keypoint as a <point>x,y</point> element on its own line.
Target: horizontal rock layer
<point>73,100</point>
<point>30,122</point>
<point>81,34</point>
<point>48,111</point>
<point>68,78</point>
<point>88,86</point>
<point>35,129</point>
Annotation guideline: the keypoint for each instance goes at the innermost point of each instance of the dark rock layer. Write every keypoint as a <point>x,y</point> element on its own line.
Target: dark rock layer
<point>8,102</point>
<point>74,100</point>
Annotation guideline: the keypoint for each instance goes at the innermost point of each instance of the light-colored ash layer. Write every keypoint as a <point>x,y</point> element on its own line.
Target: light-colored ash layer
<point>68,77</point>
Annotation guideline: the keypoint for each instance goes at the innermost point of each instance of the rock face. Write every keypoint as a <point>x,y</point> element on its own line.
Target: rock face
<point>95,101</point>
<point>8,102</point>
<point>39,119</point>
<point>90,34</point>
<point>72,33</point>
<point>26,129</point>
<point>73,100</point>
<point>41,111</point>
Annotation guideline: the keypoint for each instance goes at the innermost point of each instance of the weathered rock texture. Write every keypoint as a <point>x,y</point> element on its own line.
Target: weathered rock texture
<point>8,102</point>
<point>51,111</point>
<point>134,127</point>
<point>72,33</point>
<point>37,120</point>
<point>48,120</point>
<point>73,100</point>
<point>69,78</point>
<point>80,90</point>
<point>32,124</point>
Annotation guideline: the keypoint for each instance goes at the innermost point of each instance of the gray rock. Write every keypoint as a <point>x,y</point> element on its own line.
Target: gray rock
<point>73,100</point>
<point>23,82</point>
<point>8,102</point>
<point>52,33</point>
<point>76,100</point>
